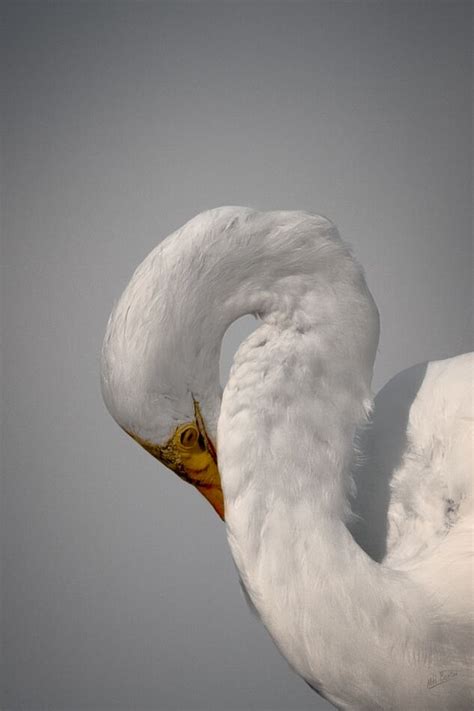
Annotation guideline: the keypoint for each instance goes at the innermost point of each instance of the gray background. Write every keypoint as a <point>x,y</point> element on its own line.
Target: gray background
<point>120,121</point>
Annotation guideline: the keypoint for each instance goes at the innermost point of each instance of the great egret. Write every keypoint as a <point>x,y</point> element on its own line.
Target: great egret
<point>359,563</point>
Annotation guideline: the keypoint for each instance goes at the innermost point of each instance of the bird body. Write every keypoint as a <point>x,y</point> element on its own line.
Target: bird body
<point>350,525</point>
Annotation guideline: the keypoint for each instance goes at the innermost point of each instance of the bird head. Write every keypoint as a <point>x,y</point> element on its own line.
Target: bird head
<point>191,454</point>
<point>154,398</point>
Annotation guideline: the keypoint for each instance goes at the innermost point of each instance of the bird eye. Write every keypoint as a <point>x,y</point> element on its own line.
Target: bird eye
<point>189,437</point>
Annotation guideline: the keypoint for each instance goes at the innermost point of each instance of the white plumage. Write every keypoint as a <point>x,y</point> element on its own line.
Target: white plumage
<point>352,532</point>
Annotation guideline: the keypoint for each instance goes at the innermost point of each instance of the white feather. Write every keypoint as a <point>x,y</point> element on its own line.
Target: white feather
<point>369,594</point>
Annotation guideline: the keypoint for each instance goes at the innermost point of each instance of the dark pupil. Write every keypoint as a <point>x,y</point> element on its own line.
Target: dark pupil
<point>188,437</point>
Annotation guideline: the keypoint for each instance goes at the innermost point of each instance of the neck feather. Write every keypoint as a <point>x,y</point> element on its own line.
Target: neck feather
<point>286,430</point>
<point>298,391</point>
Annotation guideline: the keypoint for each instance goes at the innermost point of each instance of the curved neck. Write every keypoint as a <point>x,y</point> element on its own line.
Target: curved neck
<point>163,339</point>
<point>286,429</point>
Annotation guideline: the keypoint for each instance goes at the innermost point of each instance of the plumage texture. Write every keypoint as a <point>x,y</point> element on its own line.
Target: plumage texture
<point>352,537</point>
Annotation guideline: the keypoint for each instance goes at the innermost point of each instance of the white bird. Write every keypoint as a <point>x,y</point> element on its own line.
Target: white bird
<point>352,532</point>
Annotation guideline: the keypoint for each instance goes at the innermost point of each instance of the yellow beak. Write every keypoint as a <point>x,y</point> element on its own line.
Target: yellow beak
<point>190,453</point>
